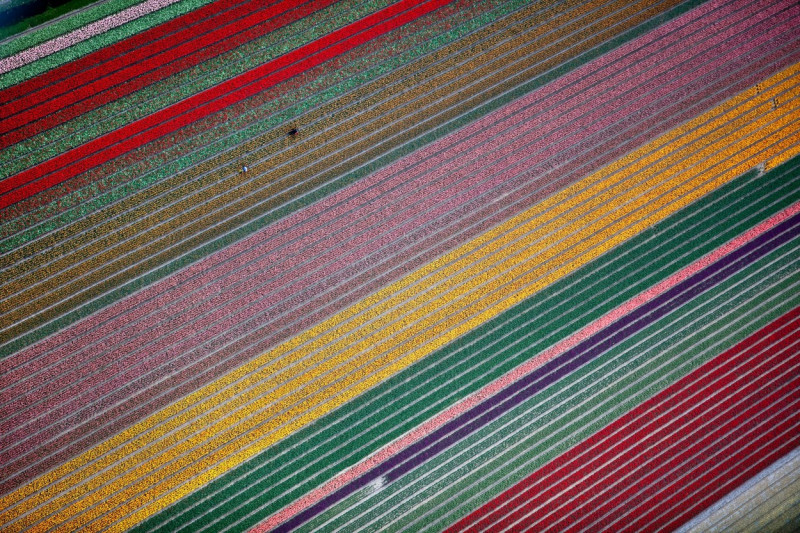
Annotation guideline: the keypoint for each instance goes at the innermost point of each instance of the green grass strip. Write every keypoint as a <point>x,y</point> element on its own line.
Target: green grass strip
<point>648,379</point>
<point>299,463</point>
<point>617,381</point>
<point>509,353</point>
<point>256,224</point>
<point>77,20</point>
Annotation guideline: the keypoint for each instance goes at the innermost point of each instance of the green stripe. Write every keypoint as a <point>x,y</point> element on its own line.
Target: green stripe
<point>620,379</point>
<point>289,469</point>
<point>291,105</point>
<point>699,348</point>
<point>184,84</point>
<point>78,20</point>
<point>335,184</point>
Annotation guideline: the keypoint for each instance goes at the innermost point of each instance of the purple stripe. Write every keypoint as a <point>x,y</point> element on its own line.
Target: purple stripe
<point>555,370</point>
<point>594,347</point>
<point>136,388</point>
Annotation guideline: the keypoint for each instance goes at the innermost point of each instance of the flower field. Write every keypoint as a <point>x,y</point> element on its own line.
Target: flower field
<point>418,265</point>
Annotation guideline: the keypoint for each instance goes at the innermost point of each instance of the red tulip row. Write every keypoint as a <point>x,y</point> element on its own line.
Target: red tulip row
<point>664,444</point>
<point>704,445</point>
<point>165,121</point>
<point>181,142</point>
<point>157,35</point>
<point>144,55</point>
<point>95,88</point>
<point>708,482</point>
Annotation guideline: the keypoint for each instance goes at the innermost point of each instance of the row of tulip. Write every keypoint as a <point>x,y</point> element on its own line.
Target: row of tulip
<point>150,37</point>
<point>92,44</point>
<point>163,122</point>
<point>442,178</point>
<point>238,305</point>
<point>660,445</point>
<point>99,86</point>
<point>178,85</point>
<point>343,146</point>
<point>216,137</point>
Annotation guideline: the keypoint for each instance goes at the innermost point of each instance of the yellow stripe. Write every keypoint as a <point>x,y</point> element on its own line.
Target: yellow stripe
<point>241,414</point>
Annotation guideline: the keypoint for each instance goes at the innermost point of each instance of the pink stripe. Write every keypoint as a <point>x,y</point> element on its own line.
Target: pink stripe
<point>423,245</point>
<point>516,374</point>
<point>81,34</point>
<point>264,241</point>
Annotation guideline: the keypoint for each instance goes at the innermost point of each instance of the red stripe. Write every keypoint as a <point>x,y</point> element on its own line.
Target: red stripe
<point>691,444</point>
<point>163,122</point>
<point>687,503</point>
<point>118,49</point>
<point>522,491</point>
<point>143,53</point>
<point>739,447</point>
<point>697,455</point>
<point>535,487</point>
<point>612,482</point>
<point>92,89</point>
